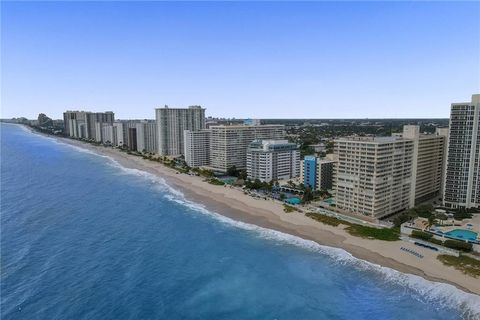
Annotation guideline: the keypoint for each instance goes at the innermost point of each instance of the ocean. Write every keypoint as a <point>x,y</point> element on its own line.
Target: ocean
<point>84,238</point>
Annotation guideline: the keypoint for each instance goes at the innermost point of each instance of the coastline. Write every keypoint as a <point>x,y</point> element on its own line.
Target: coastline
<point>269,214</point>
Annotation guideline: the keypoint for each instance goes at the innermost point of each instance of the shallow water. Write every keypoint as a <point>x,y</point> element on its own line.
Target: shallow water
<point>84,238</point>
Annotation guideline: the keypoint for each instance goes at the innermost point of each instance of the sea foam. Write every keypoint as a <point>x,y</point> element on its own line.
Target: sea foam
<point>441,294</point>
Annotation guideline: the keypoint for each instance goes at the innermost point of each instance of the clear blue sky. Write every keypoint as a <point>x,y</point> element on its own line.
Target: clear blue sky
<point>250,59</point>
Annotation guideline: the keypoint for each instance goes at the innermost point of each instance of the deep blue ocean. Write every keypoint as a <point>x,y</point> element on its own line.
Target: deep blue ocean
<point>84,238</point>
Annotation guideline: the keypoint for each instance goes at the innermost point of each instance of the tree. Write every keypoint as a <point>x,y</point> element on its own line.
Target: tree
<point>282,196</point>
<point>232,171</point>
<point>242,174</point>
<point>307,195</point>
<point>431,221</point>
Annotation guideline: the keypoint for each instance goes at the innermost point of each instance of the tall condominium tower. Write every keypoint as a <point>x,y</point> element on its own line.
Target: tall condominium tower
<point>428,166</point>
<point>228,144</point>
<point>462,178</point>
<point>197,147</point>
<point>171,123</point>
<point>373,175</point>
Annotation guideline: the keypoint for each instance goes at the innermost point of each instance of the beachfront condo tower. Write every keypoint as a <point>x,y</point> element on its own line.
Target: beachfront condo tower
<point>373,175</point>
<point>228,144</point>
<point>197,147</point>
<point>428,163</point>
<point>316,173</point>
<point>462,178</point>
<point>171,124</point>
<point>269,160</point>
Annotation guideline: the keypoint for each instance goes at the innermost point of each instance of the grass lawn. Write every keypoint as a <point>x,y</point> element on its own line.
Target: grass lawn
<point>467,265</point>
<point>331,221</point>
<point>385,234</point>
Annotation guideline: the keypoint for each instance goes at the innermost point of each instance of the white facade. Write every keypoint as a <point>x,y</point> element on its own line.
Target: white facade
<point>172,122</point>
<point>373,175</point>
<point>228,144</point>
<point>269,160</point>
<point>197,147</point>
<point>118,135</point>
<point>147,136</point>
<point>107,133</point>
<point>462,177</point>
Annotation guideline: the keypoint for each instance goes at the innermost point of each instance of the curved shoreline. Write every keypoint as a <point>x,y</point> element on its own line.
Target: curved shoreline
<point>269,214</point>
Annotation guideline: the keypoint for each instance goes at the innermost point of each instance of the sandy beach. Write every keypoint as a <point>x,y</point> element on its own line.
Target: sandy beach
<point>235,204</point>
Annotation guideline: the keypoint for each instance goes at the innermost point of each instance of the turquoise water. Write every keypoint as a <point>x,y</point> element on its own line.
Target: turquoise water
<point>462,234</point>
<point>329,201</point>
<point>85,238</point>
<point>294,200</point>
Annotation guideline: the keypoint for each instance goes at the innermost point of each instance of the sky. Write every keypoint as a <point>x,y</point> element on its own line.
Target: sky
<point>240,59</point>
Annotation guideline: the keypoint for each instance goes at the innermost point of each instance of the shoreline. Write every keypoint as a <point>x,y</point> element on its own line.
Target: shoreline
<point>269,214</point>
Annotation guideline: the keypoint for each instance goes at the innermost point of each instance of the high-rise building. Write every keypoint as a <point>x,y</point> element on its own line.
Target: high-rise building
<point>85,124</point>
<point>373,175</point>
<point>462,177</point>
<point>171,123</point>
<point>147,136</point>
<point>269,160</point>
<point>317,173</point>
<point>228,144</point>
<point>132,139</point>
<point>118,136</point>
<point>428,163</point>
<point>197,147</point>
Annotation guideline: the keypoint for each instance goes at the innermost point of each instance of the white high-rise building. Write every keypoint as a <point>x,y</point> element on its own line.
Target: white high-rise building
<point>197,147</point>
<point>172,122</point>
<point>228,144</point>
<point>118,135</point>
<point>146,136</point>
<point>373,175</point>
<point>269,160</point>
<point>462,177</point>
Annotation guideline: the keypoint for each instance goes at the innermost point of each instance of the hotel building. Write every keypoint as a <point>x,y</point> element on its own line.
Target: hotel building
<point>269,160</point>
<point>197,147</point>
<point>228,144</point>
<point>373,175</point>
<point>462,177</point>
<point>172,122</point>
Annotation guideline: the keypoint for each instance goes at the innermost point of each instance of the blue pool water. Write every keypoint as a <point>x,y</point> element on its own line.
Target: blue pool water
<point>462,234</point>
<point>84,238</point>
<point>294,200</point>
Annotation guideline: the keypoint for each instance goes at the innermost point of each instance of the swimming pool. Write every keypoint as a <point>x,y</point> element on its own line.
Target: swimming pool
<point>462,234</point>
<point>294,200</point>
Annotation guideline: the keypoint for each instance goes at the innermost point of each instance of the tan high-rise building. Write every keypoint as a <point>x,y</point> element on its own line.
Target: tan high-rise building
<point>373,175</point>
<point>428,165</point>
<point>172,122</point>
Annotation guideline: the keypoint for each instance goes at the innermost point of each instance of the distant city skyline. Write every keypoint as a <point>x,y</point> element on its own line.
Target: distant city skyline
<point>243,60</point>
